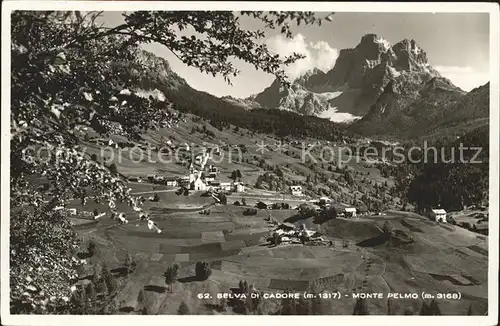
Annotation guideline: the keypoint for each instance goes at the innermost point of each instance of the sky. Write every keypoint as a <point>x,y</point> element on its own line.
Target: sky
<point>457,45</point>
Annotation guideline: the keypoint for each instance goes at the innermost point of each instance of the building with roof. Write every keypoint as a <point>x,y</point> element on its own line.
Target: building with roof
<point>438,215</point>
<point>296,190</point>
<point>239,187</point>
<point>198,184</point>
<point>171,181</point>
<point>343,210</point>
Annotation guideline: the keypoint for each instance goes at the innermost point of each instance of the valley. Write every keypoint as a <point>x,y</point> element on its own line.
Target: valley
<point>353,182</point>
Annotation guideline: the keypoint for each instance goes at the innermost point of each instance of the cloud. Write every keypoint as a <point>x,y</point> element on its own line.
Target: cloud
<point>318,54</point>
<point>467,78</point>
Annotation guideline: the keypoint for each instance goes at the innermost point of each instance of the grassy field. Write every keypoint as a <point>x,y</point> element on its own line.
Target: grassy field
<point>439,260</point>
<point>420,256</point>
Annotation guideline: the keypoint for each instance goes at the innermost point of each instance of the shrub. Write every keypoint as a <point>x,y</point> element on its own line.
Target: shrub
<point>91,247</point>
<point>171,274</point>
<point>90,291</point>
<point>203,270</point>
<point>183,309</point>
<point>140,300</point>
<point>223,198</point>
<point>113,169</point>
<point>306,210</point>
<point>361,307</point>
<point>129,263</point>
<point>261,205</point>
<point>236,203</point>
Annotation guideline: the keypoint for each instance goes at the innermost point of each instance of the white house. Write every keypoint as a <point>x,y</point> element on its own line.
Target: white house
<point>239,187</point>
<point>171,181</point>
<point>438,215</point>
<point>198,184</point>
<point>296,190</point>
<point>226,186</point>
<point>350,211</point>
<point>324,200</point>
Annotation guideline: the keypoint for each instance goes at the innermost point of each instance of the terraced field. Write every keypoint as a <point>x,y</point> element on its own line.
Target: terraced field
<point>440,259</point>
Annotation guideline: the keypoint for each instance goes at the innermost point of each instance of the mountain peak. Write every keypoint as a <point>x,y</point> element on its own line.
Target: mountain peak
<point>408,55</point>
<point>374,38</point>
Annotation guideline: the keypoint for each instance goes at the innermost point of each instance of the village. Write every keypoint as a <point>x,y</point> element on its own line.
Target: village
<point>204,177</point>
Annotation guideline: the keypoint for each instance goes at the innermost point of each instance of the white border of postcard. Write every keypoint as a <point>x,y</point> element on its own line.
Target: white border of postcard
<point>491,8</point>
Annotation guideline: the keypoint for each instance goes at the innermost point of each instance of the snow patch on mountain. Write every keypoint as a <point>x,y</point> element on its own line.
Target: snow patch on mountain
<point>332,114</point>
<point>386,45</point>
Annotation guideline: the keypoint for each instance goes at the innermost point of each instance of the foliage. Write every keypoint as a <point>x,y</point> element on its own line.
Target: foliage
<point>40,256</point>
<point>140,300</point>
<point>306,210</point>
<point>361,307</point>
<point>453,185</point>
<point>113,169</point>
<point>203,270</point>
<point>183,309</point>
<point>223,198</point>
<point>129,263</point>
<point>91,247</point>
<point>69,72</point>
<point>171,274</point>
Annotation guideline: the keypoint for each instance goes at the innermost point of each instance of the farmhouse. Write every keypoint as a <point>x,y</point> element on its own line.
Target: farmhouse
<point>343,210</point>
<point>239,187</point>
<point>261,205</point>
<point>226,186</point>
<point>210,177</point>
<point>438,215</point>
<point>296,190</point>
<point>324,200</point>
<point>171,181</point>
<point>135,179</point>
<point>350,211</point>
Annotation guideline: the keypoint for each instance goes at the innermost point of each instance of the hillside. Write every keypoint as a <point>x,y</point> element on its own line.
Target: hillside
<point>222,112</point>
<point>440,109</point>
<point>385,91</point>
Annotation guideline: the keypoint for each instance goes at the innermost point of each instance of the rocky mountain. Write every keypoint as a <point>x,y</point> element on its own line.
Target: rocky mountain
<point>356,81</point>
<point>386,89</point>
<point>440,109</point>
